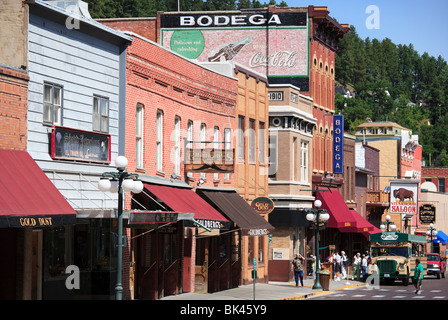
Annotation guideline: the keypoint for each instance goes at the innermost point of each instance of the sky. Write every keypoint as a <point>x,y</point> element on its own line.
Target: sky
<point>422,23</point>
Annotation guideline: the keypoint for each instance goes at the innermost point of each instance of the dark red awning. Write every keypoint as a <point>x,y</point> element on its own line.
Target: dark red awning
<point>183,200</point>
<point>340,215</point>
<point>27,197</point>
<point>364,226</point>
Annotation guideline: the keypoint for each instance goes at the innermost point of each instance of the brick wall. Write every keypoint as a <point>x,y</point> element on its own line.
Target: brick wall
<point>13,111</point>
<point>145,27</point>
<point>160,80</point>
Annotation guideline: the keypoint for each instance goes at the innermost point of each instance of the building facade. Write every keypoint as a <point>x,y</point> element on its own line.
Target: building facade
<point>291,129</point>
<point>73,129</point>
<point>400,158</point>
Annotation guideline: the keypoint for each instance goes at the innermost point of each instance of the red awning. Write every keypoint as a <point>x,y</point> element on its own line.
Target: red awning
<point>340,215</point>
<point>27,197</point>
<point>183,200</point>
<point>364,226</point>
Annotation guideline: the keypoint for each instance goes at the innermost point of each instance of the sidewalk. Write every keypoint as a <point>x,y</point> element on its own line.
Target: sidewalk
<point>270,291</point>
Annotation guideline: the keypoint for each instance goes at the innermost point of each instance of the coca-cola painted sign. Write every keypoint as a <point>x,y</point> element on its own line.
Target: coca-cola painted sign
<point>274,44</point>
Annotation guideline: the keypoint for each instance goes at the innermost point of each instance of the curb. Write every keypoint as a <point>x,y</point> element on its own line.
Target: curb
<point>308,295</point>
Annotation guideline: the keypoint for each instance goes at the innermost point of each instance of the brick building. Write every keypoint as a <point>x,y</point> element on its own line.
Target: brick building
<point>399,158</point>
<point>438,176</point>
<point>14,102</point>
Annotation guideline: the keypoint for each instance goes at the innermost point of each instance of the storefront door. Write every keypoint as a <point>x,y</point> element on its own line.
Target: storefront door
<point>201,268</point>
<point>146,277</point>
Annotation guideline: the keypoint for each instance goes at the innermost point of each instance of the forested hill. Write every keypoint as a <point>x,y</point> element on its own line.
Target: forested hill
<point>391,82</point>
<point>149,8</point>
<point>395,83</point>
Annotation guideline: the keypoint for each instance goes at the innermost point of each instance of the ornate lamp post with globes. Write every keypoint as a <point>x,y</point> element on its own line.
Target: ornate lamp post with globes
<point>118,182</point>
<point>386,225</point>
<point>317,216</point>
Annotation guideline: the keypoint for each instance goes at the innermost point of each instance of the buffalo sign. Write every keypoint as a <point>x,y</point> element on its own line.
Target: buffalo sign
<point>403,197</point>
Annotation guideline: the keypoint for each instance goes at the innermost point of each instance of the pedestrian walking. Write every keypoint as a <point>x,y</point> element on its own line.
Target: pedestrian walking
<point>337,264</point>
<point>313,267</point>
<point>364,267</point>
<point>344,262</point>
<point>418,276</point>
<point>356,266</point>
<point>297,267</point>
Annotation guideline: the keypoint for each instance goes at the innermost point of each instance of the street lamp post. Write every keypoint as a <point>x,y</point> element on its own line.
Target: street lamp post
<point>118,182</point>
<point>386,225</point>
<point>431,231</point>
<point>317,216</point>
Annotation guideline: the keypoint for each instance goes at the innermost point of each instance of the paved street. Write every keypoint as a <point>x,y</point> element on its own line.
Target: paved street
<point>432,289</point>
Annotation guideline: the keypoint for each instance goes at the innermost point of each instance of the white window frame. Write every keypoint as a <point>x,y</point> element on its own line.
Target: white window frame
<point>159,141</point>
<point>139,136</point>
<point>227,146</point>
<point>304,161</point>
<point>189,139</point>
<point>177,122</point>
<point>202,138</point>
<point>240,142</point>
<point>52,104</point>
<point>216,140</point>
<point>100,114</point>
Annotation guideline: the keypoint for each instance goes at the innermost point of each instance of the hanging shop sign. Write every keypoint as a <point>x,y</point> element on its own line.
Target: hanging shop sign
<point>80,145</point>
<point>338,144</point>
<point>403,197</point>
<point>150,217</point>
<point>427,213</point>
<point>209,160</point>
<point>263,205</point>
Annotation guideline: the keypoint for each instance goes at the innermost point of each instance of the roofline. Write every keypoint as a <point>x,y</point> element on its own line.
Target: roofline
<point>89,22</point>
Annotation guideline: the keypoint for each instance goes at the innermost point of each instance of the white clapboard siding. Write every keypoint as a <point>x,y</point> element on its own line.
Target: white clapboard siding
<point>84,66</point>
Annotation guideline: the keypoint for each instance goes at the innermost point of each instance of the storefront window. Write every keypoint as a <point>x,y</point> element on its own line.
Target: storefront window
<point>57,253</point>
<point>95,244</point>
<point>57,256</point>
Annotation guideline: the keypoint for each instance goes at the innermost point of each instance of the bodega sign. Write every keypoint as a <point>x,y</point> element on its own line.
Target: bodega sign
<point>338,144</point>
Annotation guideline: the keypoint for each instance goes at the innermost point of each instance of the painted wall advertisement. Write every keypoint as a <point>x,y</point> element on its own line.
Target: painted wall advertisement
<point>274,44</point>
<point>403,197</point>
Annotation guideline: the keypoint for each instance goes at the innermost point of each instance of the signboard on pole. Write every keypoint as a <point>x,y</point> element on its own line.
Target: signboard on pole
<point>404,197</point>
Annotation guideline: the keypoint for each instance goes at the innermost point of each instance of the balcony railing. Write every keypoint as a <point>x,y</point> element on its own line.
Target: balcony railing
<point>377,197</point>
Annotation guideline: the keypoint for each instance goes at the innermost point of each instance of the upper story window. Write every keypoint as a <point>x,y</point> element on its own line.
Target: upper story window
<point>240,139</point>
<point>100,114</point>
<point>252,141</point>
<point>139,136</point>
<point>159,141</point>
<point>52,104</point>
<point>177,145</point>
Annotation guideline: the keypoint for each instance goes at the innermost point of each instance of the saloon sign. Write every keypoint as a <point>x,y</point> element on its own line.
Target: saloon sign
<point>274,44</point>
<point>403,197</point>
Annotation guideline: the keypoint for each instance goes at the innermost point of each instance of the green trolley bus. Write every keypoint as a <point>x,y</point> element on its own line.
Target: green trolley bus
<point>393,255</point>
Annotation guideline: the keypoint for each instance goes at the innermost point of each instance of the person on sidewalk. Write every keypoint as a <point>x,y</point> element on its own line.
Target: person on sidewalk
<point>356,266</point>
<point>364,265</point>
<point>297,267</point>
<point>418,276</point>
<point>337,264</point>
<point>344,266</point>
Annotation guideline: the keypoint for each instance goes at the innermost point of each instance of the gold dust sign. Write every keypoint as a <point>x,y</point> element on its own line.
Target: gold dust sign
<point>263,205</point>
<point>38,222</point>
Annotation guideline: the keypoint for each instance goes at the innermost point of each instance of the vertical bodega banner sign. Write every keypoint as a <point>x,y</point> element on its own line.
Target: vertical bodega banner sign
<point>338,144</point>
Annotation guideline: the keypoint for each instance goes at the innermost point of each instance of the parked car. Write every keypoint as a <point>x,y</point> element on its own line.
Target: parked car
<point>436,265</point>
